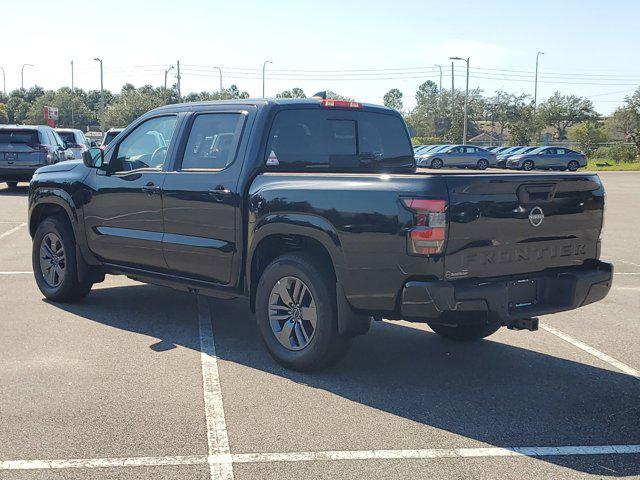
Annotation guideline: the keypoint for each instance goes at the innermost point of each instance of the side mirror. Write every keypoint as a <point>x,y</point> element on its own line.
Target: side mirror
<point>69,155</point>
<point>93,144</point>
<point>93,158</point>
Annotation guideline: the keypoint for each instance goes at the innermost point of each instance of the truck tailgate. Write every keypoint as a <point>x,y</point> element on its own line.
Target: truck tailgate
<point>521,223</point>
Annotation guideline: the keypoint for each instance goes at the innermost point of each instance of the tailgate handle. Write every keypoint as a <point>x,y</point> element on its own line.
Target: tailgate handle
<point>536,193</point>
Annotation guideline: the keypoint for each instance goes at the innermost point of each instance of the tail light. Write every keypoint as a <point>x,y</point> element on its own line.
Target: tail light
<point>339,104</point>
<point>429,232</point>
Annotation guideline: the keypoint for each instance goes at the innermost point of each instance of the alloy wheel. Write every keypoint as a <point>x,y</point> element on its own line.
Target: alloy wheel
<point>292,313</point>
<point>53,261</point>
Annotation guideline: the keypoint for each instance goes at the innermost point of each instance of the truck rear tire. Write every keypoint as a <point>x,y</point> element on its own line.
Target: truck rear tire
<point>465,333</point>
<point>54,262</point>
<point>297,314</point>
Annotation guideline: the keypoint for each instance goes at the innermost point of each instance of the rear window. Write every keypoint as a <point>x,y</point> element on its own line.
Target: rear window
<point>338,140</point>
<point>109,136</point>
<point>19,135</point>
<point>68,137</point>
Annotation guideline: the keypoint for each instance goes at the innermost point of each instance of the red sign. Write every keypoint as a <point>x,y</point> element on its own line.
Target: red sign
<point>51,115</point>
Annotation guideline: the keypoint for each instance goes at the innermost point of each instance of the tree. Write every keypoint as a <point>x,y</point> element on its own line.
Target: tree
<point>293,93</point>
<point>393,99</point>
<point>505,109</point>
<point>564,111</point>
<point>526,128</point>
<point>17,108</point>
<point>72,109</point>
<point>336,96</point>
<point>588,135</point>
<point>131,104</point>
<point>4,116</point>
<point>626,119</point>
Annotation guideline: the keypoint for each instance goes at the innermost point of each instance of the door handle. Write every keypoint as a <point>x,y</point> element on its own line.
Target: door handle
<point>151,188</point>
<point>219,193</point>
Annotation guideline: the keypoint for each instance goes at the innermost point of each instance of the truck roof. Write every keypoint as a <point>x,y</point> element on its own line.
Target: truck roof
<point>261,103</point>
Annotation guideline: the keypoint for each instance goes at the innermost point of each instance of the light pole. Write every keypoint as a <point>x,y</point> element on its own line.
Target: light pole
<point>453,97</point>
<point>440,67</point>
<point>4,81</point>
<point>22,74</point>
<point>466,100</point>
<point>264,66</point>
<point>72,86</point>
<point>165,75</point>
<point>99,60</point>
<point>220,70</point>
<point>535,88</point>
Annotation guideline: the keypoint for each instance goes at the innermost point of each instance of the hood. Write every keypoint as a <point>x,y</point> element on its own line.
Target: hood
<point>65,166</point>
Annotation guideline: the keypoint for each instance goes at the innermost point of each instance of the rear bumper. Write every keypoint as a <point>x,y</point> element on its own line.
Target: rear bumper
<point>556,290</point>
<point>17,173</point>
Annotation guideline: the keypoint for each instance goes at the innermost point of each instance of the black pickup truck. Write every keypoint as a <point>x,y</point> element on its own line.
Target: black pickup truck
<point>313,210</point>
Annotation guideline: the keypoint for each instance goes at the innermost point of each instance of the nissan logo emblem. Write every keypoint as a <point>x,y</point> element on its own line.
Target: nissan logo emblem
<point>536,216</point>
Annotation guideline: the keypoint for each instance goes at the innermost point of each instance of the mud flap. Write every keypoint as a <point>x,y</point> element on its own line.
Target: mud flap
<point>349,322</point>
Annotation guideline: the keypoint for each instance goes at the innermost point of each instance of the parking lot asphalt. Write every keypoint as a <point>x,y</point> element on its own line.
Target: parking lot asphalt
<point>138,382</point>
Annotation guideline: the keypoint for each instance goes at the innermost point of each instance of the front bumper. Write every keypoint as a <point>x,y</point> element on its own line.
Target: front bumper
<point>20,173</point>
<point>552,291</point>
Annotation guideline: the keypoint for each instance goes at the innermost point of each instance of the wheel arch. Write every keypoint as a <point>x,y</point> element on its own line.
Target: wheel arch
<point>50,203</point>
<point>282,233</point>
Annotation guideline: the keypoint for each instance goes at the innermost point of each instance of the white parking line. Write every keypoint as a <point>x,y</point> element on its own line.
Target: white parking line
<point>335,455</point>
<point>16,273</point>
<point>629,263</point>
<point>592,351</point>
<point>13,230</point>
<point>626,273</point>
<point>217,439</point>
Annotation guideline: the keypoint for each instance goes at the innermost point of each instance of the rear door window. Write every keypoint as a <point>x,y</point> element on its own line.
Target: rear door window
<point>319,139</point>
<point>213,141</point>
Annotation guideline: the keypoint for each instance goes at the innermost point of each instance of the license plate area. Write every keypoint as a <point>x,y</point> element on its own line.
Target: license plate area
<point>523,294</point>
<point>10,157</point>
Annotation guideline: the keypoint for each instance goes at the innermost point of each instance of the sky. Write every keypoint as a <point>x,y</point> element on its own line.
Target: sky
<point>360,49</point>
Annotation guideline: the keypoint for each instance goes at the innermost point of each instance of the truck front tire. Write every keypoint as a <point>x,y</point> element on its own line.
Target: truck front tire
<point>297,315</point>
<point>54,262</point>
<point>465,333</point>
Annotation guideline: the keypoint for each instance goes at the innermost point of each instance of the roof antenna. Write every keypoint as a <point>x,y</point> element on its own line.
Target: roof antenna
<point>321,95</point>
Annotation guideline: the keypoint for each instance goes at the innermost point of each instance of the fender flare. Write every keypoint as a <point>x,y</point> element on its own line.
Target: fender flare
<point>304,225</point>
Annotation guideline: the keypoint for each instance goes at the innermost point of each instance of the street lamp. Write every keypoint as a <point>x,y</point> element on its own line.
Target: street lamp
<point>99,60</point>
<point>165,75</point>
<point>440,67</point>
<point>264,65</point>
<point>535,88</point>
<point>4,81</point>
<point>22,74</point>
<point>220,70</point>
<point>466,100</point>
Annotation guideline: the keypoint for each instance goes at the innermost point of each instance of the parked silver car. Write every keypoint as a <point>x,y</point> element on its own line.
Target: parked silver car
<point>556,158</point>
<point>75,140</point>
<point>508,153</point>
<point>422,157</point>
<point>459,156</point>
<point>110,135</point>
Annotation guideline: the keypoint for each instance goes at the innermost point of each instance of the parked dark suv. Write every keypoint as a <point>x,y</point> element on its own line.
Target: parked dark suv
<point>25,148</point>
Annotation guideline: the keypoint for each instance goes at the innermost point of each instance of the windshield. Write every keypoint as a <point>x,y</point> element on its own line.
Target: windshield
<point>537,150</point>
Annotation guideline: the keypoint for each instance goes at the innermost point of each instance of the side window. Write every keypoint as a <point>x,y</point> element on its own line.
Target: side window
<point>213,141</point>
<point>146,146</point>
<point>560,151</point>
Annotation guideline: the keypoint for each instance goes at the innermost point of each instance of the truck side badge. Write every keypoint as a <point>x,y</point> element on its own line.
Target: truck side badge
<point>272,159</point>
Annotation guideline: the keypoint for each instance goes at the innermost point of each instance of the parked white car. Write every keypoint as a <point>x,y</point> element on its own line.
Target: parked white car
<point>76,141</point>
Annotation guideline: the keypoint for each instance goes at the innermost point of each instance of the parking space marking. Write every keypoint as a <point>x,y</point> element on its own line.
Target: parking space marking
<point>17,273</point>
<point>623,367</point>
<point>335,455</point>
<point>13,230</point>
<point>217,438</point>
<point>628,263</point>
<point>626,273</point>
